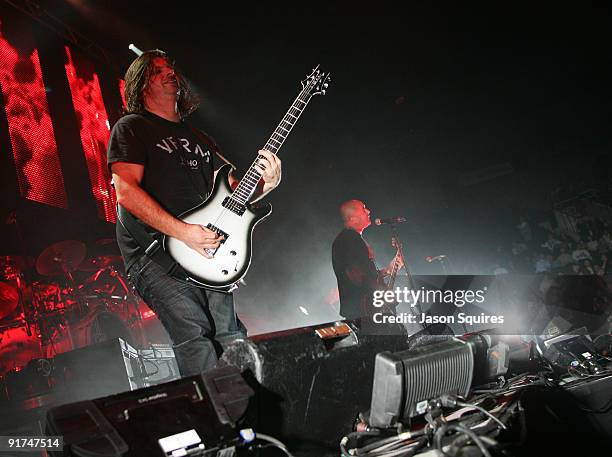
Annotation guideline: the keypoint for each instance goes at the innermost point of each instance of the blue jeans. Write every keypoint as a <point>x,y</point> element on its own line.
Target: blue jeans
<point>200,322</point>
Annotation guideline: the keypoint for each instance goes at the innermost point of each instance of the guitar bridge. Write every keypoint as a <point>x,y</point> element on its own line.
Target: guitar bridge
<point>234,206</point>
<point>218,231</point>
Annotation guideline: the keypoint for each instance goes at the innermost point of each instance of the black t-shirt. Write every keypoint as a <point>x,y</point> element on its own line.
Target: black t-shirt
<point>178,167</point>
<point>357,276</point>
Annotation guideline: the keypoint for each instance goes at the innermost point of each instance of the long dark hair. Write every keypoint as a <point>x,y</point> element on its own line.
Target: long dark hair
<point>137,76</point>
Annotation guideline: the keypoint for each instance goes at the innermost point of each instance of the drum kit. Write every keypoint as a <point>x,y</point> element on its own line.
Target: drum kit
<point>61,301</point>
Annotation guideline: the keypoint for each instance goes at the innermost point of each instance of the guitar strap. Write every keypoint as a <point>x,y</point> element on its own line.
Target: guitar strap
<point>212,144</point>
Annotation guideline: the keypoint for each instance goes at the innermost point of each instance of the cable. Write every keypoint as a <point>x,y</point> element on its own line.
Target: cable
<point>144,368</point>
<point>392,449</point>
<point>459,429</point>
<point>387,441</point>
<point>510,384</point>
<point>387,447</point>
<point>484,411</point>
<point>510,389</point>
<point>451,401</point>
<point>275,442</point>
<point>588,375</point>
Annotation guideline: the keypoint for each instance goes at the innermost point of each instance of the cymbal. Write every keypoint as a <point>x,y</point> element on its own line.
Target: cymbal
<point>60,258</point>
<point>9,299</point>
<point>95,263</point>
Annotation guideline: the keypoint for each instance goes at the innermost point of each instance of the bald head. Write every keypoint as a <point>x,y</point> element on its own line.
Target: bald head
<point>355,215</point>
<point>348,208</point>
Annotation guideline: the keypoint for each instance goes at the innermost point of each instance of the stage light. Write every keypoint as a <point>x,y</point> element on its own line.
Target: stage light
<point>134,49</point>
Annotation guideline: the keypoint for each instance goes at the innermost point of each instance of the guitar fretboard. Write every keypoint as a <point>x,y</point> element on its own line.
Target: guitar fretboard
<point>245,189</point>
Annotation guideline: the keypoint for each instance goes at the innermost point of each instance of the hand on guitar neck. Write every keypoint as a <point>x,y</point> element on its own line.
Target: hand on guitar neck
<point>394,266</point>
<point>396,263</point>
<point>390,272</point>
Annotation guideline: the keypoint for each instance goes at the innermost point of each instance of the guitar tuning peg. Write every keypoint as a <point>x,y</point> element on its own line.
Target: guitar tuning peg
<point>323,92</point>
<point>325,85</point>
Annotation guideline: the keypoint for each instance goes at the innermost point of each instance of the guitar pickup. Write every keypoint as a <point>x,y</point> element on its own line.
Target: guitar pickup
<point>234,206</point>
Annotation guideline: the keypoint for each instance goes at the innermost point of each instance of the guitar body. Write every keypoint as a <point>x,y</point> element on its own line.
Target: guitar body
<point>232,259</point>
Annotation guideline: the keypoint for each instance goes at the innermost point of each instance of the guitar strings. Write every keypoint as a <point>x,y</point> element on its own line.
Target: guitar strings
<point>292,111</point>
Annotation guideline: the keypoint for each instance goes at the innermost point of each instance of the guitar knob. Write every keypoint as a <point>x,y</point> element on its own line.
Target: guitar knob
<point>233,252</point>
<point>225,272</point>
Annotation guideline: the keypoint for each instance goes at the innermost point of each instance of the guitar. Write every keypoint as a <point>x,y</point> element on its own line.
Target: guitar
<point>229,213</point>
<point>396,265</point>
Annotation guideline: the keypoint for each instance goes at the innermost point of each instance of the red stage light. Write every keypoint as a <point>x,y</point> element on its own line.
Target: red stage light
<point>148,314</point>
<point>39,172</point>
<point>94,129</point>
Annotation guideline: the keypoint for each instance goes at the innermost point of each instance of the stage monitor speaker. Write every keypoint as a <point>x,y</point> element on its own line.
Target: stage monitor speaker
<point>196,415</point>
<point>94,371</point>
<point>311,382</point>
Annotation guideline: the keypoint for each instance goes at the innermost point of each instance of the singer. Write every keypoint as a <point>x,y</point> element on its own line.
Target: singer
<point>353,263</point>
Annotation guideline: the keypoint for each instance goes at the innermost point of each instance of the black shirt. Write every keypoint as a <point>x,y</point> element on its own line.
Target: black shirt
<point>178,167</point>
<point>357,276</point>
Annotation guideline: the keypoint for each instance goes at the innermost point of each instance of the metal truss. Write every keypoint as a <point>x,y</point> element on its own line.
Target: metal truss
<point>36,12</point>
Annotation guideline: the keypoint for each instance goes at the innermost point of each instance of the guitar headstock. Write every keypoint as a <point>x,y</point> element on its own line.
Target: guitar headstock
<point>317,82</point>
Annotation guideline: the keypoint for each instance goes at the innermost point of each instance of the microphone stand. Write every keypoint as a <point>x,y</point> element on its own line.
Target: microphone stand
<point>443,263</point>
<point>22,276</point>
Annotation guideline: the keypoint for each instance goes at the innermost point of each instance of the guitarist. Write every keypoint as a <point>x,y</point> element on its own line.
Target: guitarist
<point>353,263</point>
<point>161,167</point>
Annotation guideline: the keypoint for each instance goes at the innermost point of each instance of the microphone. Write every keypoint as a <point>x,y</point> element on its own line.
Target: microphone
<point>390,220</point>
<point>434,258</point>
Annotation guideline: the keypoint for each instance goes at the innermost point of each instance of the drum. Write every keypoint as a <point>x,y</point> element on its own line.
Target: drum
<point>9,299</point>
<point>100,325</point>
<point>17,348</point>
<point>30,381</point>
<point>13,289</point>
<point>51,298</point>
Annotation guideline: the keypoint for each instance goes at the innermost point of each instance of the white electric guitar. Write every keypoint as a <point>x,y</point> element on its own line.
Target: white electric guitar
<point>229,213</point>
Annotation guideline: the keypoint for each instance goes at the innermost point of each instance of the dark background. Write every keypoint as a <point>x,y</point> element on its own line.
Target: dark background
<point>421,97</point>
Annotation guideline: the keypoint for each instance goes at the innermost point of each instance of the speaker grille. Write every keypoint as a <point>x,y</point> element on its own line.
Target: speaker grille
<point>403,379</point>
<point>444,368</point>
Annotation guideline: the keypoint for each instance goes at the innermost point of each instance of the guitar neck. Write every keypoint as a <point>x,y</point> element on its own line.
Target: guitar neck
<point>394,271</point>
<point>246,188</point>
